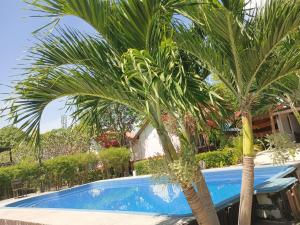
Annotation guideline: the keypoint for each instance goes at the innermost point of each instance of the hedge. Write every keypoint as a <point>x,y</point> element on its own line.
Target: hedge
<point>219,158</point>
<point>115,161</point>
<point>149,166</point>
<point>65,171</point>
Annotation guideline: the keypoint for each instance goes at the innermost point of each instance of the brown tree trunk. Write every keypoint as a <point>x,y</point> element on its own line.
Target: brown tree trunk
<point>247,189</point>
<point>167,144</point>
<point>198,206</point>
<point>201,204</point>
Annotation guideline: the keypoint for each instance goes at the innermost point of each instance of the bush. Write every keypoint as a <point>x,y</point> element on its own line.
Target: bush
<point>219,158</point>
<point>115,161</point>
<point>282,147</point>
<point>53,173</point>
<point>142,167</point>
<point>153,165</point>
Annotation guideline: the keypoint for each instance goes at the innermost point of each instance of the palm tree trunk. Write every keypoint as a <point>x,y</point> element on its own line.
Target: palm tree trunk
<point>204,211</point>
<point>247,188</point>
<point>203,215</point>
<point>167,144</point>
<point>200,202</point>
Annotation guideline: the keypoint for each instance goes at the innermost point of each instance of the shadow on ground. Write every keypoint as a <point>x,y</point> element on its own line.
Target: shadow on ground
<point>178,221</point>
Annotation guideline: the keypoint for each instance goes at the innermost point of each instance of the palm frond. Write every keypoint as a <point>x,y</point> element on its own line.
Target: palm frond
<point>246,53</point>
<point>123,24</point>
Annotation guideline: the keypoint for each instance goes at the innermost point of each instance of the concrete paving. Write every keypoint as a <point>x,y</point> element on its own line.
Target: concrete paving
<point>73,217</point>
<point>266,158</point>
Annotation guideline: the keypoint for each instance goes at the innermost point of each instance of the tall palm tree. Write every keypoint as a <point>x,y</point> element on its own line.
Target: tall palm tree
<point>132,60</point>
<point>245,48</point>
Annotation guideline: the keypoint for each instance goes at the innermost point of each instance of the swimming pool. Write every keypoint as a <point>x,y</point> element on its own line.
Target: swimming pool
<point>145,195</point>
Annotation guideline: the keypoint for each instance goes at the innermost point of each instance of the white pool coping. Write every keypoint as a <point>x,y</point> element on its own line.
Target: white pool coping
<point>68,217</point>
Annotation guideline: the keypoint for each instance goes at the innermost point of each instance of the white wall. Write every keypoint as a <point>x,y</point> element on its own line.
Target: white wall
<point>148,145</point>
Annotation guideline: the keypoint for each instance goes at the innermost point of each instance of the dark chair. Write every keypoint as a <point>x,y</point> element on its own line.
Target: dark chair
<point>18,189</point>
<point>297,136</point>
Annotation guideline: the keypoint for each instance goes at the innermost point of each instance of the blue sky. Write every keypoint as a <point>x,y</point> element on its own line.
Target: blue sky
<point>15,38</point>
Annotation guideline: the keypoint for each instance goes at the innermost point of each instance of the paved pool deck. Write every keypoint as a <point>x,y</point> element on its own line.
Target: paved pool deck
<point>68,217</point>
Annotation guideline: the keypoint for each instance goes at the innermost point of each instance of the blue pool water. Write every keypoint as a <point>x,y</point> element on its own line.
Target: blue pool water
<point>145,195</point>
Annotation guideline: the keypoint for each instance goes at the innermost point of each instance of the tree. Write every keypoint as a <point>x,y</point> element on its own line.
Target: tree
<point>12,137</point>
<point>248,49</point>
<point>132,61</point>
<point>63,142</point>
<point>105,118</point>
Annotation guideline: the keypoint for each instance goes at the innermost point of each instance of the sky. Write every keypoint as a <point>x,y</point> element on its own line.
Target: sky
<point>15,38</point>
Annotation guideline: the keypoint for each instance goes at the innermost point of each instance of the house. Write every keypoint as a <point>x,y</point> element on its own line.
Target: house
<point>146,144</point>
<point>280,120</point>
<point>286,122</point>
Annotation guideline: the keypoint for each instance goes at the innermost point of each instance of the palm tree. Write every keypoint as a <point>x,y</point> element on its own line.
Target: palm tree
<point>131,60</point>
<point>288,91</point>
<point>246,49</point>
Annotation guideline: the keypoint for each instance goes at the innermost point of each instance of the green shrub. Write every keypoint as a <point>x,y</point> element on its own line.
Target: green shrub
<point>155,165</point>
<point>53,173</point>
<point>220,158</point>
<point>115,161</point>
<point>142,167</point>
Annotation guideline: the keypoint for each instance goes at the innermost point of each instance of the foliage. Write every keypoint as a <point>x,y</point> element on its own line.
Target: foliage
<point>115,161</point>
<point>183,171</point>
<point>53,173</point>
<point>11,137</point>
<point>230,101</point>
<point>109,139</point>
<point>213,159</point>
<point>282,147</point>
<point>113,118</point>
<point>219,158</point>
<point>64,141</point>
<point>236,143</point>
<point>155,165</point>
<point>142,167</point>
